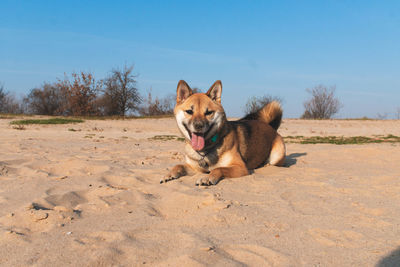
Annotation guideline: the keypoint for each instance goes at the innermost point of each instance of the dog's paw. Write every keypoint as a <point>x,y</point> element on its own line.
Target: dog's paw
<point>207,180</point>
<point>168,178</point>
<point>175,173</point>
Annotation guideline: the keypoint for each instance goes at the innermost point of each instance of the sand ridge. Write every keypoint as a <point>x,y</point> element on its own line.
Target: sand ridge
<point>89,194</point>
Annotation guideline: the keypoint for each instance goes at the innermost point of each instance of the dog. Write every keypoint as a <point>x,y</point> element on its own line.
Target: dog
<point>217,148</point>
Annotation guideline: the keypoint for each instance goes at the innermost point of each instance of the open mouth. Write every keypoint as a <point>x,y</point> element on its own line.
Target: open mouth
<point>197,139</point>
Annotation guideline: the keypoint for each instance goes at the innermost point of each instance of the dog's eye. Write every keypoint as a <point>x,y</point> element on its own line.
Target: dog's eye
<point>189,111</point>
<point>209,112</point>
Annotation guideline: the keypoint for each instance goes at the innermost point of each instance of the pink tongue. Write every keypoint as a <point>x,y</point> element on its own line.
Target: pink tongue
<point>197,142</point>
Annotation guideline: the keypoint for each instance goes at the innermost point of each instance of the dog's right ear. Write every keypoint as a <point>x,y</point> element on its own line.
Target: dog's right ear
<point>183,91</point>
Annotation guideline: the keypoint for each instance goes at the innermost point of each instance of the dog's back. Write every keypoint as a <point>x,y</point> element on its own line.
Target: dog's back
<point>271,113</point>
<point>259,142</point>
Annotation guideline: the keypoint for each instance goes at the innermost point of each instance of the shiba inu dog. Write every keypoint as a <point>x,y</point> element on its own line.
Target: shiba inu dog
<point>217,148</point>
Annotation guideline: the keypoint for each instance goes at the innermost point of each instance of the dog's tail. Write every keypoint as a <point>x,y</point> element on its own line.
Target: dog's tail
<point>271,113</point>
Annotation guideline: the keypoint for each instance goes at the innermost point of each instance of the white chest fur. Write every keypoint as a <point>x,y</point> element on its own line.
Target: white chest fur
<point>212,159</point>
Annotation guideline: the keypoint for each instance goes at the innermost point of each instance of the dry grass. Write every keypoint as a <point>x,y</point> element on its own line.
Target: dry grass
<point>341,140</point>
<point>46,121</point>
<point>166,138</point>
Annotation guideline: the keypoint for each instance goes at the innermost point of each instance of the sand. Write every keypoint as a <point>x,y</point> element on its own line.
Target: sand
<point>89,195</point>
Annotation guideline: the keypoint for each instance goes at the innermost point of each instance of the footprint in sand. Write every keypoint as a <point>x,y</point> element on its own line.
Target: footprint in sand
<point>369,211</point>
<point>186,202</point>
<point>257,255</point>
<point>215,201</point>
<point>123,180</point>
<point>117,195</point>
<point>336,238</point>
<point>70,167</point>
<point>103,237</point>
<point>45,213</point>
<point>3,170</point>
<point>69,199</point>
<point>6,170</point>
<point>276,226</point>
<point>305,203</point>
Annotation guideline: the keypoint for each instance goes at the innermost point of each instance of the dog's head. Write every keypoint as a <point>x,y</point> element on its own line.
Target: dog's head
<point>199,116</point>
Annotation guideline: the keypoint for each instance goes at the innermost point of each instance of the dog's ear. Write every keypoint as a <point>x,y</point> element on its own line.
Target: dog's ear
<point>215,91</point>
<point>183,91</point>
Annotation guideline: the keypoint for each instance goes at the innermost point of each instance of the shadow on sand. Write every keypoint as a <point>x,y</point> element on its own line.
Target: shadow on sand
<point>390,260</point>
<point>292,158</point>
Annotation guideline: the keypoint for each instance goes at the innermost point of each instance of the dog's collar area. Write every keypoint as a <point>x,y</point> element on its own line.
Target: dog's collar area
<point>213,140</point>
<point>202,154</point>
<point>202,162</point>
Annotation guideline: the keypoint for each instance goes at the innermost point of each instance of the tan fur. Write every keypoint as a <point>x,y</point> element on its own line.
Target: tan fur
<point>278,151</point>
<point>232,148</point>
<point>270,112</point>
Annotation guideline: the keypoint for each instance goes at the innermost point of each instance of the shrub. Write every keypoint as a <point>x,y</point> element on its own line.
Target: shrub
<point>323,103</point>
<point>163,106</point>
<point>8,104</point>
<point>81,94</point>
<point>255,103</point>
<point>48,99</point>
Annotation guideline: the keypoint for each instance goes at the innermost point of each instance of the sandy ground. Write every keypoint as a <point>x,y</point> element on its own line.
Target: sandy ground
<point>91,197</point>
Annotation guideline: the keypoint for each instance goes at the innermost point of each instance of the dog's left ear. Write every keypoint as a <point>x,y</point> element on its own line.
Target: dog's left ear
<point>215,91</point>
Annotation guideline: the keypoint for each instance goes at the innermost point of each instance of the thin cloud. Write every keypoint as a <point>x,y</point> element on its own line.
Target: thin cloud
<point>29,72</point>
<point>364,93</point>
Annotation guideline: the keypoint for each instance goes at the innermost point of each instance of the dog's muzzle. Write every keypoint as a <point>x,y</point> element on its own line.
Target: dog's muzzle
<point>199,125</point>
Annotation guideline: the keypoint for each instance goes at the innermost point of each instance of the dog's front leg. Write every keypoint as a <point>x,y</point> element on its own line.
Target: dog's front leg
<point>223,172</point>
<point>176,172</point>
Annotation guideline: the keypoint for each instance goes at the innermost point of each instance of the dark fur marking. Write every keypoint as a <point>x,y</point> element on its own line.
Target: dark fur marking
<point>275,123</point>
<point>251,116</point>
<point>187,129</point>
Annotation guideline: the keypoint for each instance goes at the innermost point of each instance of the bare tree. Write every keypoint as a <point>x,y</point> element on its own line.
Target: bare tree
<point>49,99</point>
<point>382,116</point>
<point>120,92</point>
<point>196,90</point>
<point>8,103</point>
<point>323,103</point>
<point>163,106</point>
<point>3,99</point>
<point>398,113</point>
<point>255,103</point>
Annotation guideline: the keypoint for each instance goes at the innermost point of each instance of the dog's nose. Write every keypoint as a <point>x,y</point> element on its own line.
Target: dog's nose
<point>198,125</point>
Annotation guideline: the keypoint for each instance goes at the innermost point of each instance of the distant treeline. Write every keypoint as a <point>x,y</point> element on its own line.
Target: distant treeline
<point>82,95</point>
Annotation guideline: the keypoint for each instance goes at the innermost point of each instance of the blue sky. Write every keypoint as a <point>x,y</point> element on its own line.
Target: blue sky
<point>278,48</point>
